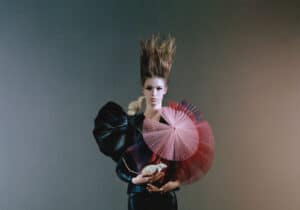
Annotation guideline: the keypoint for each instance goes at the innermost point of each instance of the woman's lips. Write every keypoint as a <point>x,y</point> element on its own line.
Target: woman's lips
<point>153,100</point>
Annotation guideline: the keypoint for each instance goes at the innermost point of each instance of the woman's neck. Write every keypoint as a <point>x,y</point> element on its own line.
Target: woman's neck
<point>152,114</point>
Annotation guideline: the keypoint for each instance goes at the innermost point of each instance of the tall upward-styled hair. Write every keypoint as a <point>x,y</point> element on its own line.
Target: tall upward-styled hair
<point>156,57</point>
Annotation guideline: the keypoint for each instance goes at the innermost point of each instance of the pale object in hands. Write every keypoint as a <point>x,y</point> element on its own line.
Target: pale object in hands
<point>152,168</point>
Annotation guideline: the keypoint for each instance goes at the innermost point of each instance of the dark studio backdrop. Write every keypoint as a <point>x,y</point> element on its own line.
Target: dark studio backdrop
<point>60,61</point>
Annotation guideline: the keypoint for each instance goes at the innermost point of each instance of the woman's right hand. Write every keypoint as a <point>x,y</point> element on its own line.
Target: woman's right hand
<point>141,179</point>
<point>147,178</point>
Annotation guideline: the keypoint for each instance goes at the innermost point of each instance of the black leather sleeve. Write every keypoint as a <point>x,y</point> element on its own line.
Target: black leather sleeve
<point>110,130</point>
<point>125,169</point>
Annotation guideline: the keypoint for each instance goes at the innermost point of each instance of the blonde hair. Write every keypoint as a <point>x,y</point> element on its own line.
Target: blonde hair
<point>135,106</point>
<point>156,59</point>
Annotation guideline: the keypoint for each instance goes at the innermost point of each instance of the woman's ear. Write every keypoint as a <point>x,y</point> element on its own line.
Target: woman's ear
<point>142,91</point>
<point>166,89</point>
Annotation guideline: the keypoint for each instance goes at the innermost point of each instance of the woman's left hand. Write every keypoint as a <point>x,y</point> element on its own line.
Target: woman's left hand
<point>171,185</point>
<point>153,188</point>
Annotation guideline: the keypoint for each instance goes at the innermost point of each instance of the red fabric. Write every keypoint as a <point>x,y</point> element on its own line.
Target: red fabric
<point>187,139</point>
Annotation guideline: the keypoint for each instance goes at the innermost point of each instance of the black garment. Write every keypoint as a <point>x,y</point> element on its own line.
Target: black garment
<point>111,130</point>
<point>120,137</point>
<point>139,155</point>
<point>139,197</point>
<point>152,201</point>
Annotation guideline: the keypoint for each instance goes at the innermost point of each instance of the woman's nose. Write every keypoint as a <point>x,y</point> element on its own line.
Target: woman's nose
<point>154,92</point>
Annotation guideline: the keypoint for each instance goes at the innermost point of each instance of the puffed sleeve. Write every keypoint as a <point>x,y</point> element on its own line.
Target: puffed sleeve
<point>110,130</point>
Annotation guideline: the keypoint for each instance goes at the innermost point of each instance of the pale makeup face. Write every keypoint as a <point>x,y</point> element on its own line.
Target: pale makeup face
<point>154,90</point>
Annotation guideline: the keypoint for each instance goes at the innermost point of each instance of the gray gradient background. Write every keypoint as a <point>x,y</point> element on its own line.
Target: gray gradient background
<point>61,60</point>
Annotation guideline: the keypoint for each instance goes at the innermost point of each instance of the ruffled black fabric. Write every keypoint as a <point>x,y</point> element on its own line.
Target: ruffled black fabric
<point>112,130</point>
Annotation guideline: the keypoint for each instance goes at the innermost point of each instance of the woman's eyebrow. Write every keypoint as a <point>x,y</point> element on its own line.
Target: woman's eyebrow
<point>150,86</point>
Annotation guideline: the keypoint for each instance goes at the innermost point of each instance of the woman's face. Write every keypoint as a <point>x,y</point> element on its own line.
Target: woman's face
<point>154,90</point>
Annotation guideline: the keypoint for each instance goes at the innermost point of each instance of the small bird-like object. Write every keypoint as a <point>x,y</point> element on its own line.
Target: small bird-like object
<point>153,168</point>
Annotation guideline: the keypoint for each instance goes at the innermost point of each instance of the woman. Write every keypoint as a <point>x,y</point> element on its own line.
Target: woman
<point>121,136</point>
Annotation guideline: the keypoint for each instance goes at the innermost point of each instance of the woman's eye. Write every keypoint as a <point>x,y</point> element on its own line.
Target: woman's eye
<point>150,88</point>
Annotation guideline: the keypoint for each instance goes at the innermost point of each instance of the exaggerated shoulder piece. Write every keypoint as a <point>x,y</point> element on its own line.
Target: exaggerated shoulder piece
<point>111,128</point>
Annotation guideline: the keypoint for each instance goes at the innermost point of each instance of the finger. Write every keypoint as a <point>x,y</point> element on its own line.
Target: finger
<point>162,173</point>
<point>163,190</point>
<point>160,176</point>
<point>146,175</point>
<point>152,188</point>
<point>151,180</point>
<point>157,176</point>
<point>150,185</point>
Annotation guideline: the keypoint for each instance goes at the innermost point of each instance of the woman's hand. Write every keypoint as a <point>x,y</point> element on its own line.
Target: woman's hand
<point>156,176</point>
<point>171,185</point>
<point>141,178</point>
<point>153,188</point>
<point>147,178</point>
